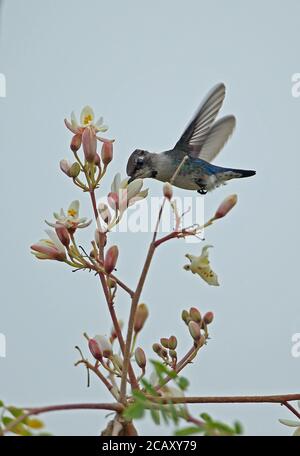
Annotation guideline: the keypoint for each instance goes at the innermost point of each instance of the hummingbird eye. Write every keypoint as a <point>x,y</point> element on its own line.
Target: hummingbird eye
<point>139,162</point>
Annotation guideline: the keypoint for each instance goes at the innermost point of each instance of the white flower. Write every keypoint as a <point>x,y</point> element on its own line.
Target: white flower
<point>71,220</point>
<point>123,195</point>
<point>200,265</point>
<point>49,249</point>
<point>87,118</point>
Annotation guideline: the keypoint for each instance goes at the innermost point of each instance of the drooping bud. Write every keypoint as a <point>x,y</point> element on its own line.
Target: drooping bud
<point>65,166</point>
<point>110,259</point>
<point>185,316</point>
<point>140,317</point>
<point>75,142</point>
<point>195,314</point>
<point>89,144</point>
<point>168,190</point>
<point>194,329</point>
<point>63,234</point>
<point>107,152</point>
<point>165,342</point>
<point>75,170</point>
<point>172,342</point>
<point>226,206</point>
<point>208,318</point>
<point>104,346</point>
<point>140,357</point>
<point>95,349</point>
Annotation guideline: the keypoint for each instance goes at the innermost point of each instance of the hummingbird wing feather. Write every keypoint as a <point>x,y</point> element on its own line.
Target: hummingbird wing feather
<point>196,132</point>
<point>216,138</point>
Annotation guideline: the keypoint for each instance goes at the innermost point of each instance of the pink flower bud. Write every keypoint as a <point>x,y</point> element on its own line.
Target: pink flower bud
<point>76,142</point>
<point>95,350</point>
<point>107,152</point>
<point>195,315</point>
<point>65,166</point>
<point>194,329</point>
<point>110,259</point>
<point>104,213</point>
<point>208,318</point>
<point>101,347</point>
<point>157,348</point>
<point>140,357</point>
<point>168,190</point>
<point>63,234</point>
<point>89,144</point>
<point>140,317</point>
<point>226,206</point>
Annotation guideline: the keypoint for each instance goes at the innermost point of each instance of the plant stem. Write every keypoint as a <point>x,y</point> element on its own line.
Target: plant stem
<point>110,304</point>
<point>275,399</point>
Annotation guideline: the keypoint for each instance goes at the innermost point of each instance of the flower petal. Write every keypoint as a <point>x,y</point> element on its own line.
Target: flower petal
<point>290,423</point>
<point>87,116</point>
<point>116,183</point>
<point>73,209</point>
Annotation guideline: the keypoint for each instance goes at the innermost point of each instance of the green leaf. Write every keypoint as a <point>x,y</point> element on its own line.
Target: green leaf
<point>183,383</point>
<point>188,431</point>
<point>206,417</point>
<point>19,429</point>
<point>161,369</point>
<point>164,414</point>
<point>1,404</point>
<point>238,428</point>
<point>34,423</point>
<point>134,411</point>
<point>155,416</point>
<point>174,413</point>
<point>16,412</point>
<point>149,388</point>
<point>139,396</point>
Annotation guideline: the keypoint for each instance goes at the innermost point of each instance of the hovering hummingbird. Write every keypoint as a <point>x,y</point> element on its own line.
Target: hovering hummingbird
<point>201,142</point>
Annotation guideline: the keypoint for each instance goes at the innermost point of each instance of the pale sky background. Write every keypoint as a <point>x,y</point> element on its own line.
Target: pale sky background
<point>145,66</point>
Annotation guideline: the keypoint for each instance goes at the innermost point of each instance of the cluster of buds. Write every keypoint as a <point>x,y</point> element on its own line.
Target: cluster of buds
<point>167,350</point>
<point>121,196</point>
<point>85,135</point>
<point>197,325</point>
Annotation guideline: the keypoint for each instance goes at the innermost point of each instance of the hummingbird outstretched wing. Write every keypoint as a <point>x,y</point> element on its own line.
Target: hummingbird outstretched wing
<point>202,138</point>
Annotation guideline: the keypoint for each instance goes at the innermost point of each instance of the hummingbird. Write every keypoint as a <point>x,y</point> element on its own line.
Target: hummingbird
<point>200,142</point>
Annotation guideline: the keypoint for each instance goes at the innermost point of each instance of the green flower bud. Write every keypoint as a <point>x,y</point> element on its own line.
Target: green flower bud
<point>165,342</point>
<point>172,342</point>
<point>185,316</point>
<point>140,357</point>
<point>74,170</point>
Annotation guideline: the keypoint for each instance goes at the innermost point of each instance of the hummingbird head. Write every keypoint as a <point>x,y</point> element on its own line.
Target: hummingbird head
<point>139,165</point>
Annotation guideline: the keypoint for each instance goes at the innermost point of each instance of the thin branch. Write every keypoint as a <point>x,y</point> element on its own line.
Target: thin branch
<point>137,294</point>
<point>110,304</point>
<point>275,399</point>
<point>292,409</point>
<point>116,407</point>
